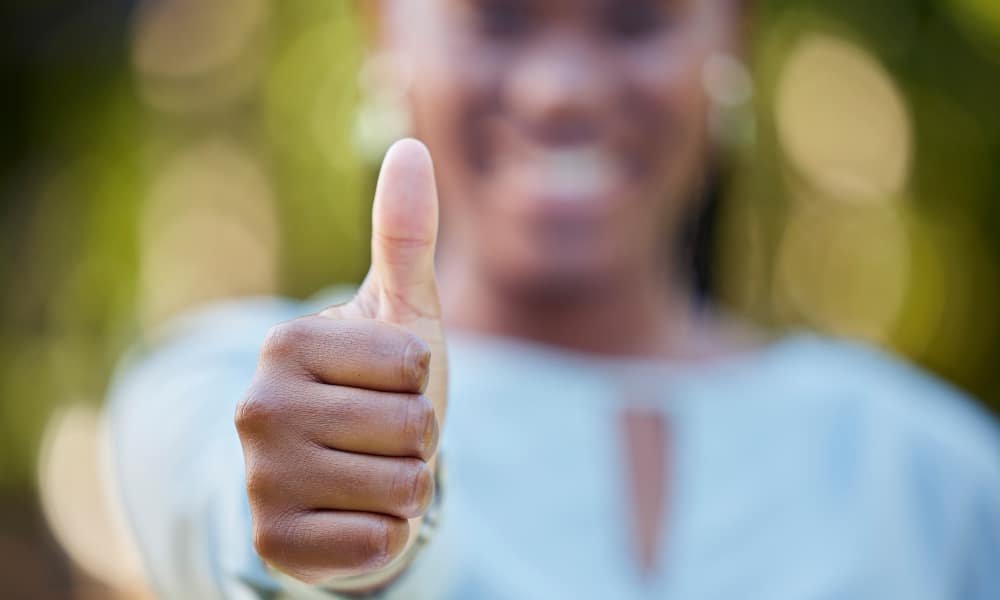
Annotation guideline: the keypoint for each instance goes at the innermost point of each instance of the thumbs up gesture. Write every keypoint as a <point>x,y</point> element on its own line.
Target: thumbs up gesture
<point>340,424</point>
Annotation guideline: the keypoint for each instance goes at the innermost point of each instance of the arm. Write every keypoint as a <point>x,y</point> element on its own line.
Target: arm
<point>338,428</point>
<point>179,466</point>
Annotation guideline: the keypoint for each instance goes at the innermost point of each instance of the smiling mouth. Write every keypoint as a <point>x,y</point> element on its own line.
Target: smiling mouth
<point>576,173</point>
<point>580,180</point>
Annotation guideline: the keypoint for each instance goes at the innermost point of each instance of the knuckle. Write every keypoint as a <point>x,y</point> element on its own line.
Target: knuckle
<point>284,340</point>
<point>272,539</point>
<point>257,409</point>
<point>260,481</point>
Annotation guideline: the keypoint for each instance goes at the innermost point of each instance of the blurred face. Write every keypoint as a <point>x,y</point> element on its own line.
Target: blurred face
<point>569,135</point>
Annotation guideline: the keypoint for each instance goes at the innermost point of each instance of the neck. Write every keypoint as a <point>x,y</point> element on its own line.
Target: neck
<point>638,314</point>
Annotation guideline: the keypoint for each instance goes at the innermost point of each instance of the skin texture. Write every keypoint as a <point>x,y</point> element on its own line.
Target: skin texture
<point>341,421</point>
<point>503,82</point>
<point>340,424</point>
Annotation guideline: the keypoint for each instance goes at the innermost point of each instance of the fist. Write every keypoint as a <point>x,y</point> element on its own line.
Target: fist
<point>340,424</point>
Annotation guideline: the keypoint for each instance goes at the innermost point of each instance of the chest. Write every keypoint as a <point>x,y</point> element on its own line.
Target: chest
<point>565,509</point>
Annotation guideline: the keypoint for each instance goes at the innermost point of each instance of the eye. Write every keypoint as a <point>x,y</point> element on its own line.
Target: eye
<point>635,19</point>
<point>503,18</point>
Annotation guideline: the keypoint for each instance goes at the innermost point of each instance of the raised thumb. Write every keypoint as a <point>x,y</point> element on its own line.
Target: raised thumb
<point>404,233</point>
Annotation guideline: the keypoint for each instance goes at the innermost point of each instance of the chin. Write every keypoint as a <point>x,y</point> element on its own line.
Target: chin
<point>558,276</point>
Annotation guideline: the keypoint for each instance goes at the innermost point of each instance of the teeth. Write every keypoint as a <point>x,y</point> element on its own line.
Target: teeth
<point>577,173</point>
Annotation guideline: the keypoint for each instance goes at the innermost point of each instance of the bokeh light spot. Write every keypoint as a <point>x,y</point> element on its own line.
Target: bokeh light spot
<point>209,231</point>
<point>79,503</point>
<point>842,122</point>
<point>845,271</point>
<point>194,55</point>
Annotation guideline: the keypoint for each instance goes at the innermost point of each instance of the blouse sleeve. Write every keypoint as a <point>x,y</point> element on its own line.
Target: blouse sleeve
<point>982,579</point>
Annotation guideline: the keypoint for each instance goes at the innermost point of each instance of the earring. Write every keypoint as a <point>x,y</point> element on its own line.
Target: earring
<point>729,87</point>
<point>383,114</point>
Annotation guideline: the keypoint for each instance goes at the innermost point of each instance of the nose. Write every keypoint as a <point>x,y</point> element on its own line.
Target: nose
<point>561,87</point>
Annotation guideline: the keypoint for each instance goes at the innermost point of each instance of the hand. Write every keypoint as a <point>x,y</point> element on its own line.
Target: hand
<point>341,421</point>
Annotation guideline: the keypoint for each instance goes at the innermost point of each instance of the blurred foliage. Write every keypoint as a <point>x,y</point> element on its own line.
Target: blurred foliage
<point>942,59</point>
<point>157,155</point>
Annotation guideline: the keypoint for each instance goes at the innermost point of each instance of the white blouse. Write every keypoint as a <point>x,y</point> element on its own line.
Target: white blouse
<point>812,469</point>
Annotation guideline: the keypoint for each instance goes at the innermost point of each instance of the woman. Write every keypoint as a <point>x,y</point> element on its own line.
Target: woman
<point>605,437</point>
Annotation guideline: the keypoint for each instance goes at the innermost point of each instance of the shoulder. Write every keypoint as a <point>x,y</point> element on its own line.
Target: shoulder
<point>913,411</point>
<point>251,316</point>
<point>931,466</point>
<point>174,371</point>
<point>224,327</point>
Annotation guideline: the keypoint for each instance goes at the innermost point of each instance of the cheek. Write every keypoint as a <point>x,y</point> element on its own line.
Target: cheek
<point>659,103</point>
<point>671,106</point>
<point>672,97</point>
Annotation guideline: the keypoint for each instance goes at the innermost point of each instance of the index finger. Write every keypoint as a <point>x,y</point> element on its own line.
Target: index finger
<point>361,353</point>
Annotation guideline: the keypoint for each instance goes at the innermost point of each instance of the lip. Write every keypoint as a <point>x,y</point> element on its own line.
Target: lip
<point>581,172</point>
<point>578,182</point>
